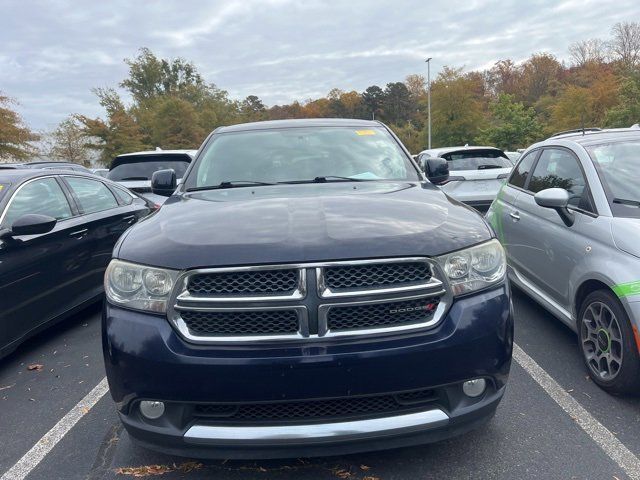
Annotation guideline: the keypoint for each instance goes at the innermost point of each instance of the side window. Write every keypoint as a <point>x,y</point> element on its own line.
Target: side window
<point>558,168</point>
<point>93,196</point>
<point>42,196</point>
<point>125,197</point>
<point>521,172</point>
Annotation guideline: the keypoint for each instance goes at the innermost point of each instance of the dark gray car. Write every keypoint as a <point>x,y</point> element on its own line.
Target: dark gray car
<point>569,218</point>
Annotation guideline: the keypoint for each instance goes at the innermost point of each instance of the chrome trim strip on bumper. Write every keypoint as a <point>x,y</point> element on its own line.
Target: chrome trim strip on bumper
<point>316,433</point>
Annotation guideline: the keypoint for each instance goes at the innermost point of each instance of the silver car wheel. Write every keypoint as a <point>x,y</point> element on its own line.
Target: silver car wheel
<point>601,339</point>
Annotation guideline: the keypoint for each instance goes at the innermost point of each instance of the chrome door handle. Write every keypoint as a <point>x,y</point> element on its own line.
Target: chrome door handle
<point>79,233</point>
<point>515,216</point>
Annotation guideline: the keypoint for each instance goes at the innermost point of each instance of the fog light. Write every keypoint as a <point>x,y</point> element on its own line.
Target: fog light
<point>151,410</point>
<point>475,387</point>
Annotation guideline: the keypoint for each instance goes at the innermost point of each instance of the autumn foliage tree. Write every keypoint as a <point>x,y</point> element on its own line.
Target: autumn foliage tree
<point>16,139</point>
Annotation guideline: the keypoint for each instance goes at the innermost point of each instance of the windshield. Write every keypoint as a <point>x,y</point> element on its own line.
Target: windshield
<point>618,165</point>
<point>3,189</point>
<point>144,169</point>
<point>477,160</point>
<point>302,154</point>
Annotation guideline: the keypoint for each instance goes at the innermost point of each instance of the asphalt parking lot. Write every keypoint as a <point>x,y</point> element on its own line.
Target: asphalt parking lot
<point>553,423</point>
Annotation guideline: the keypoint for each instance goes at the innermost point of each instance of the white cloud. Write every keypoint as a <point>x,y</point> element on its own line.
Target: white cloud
<point>53,53</point>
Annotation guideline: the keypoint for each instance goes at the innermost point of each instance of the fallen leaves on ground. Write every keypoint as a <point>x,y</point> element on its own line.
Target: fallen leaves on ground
<point>7,386</point>
<point>370,478</point>
<point>35,366</point>
<point>364,468</point>
<point>154,470</point>
<point>342,473</point>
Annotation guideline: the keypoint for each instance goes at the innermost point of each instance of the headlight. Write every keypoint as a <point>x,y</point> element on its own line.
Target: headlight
<point>139,286</point>
<point>474,268</point>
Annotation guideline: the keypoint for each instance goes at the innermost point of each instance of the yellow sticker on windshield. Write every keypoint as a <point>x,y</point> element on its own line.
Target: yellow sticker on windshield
<point>365,132</point>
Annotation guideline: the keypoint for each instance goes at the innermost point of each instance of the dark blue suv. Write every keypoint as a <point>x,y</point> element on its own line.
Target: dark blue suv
<point>305,291</point>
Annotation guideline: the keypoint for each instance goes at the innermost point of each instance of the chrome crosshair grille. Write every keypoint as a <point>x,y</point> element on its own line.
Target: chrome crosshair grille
<point>308,301</point>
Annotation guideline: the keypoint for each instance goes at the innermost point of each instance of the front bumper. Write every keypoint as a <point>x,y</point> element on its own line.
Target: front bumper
<point>146,359</point>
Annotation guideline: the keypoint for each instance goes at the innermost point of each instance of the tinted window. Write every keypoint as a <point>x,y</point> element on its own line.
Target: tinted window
<point>521,172</point>
<point>618,165</point>
<point>42,196</point>
<point>302,154</point>
<point>93,196</point>
<point>560,169</point>
<point>477,160</point>
<point>144,168</point>
<point>124,196</point>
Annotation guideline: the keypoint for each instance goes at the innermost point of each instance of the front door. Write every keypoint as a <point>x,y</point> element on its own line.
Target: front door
<point>548,250</point>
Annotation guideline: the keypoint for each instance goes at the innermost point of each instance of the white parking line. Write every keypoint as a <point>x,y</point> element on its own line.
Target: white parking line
<point>33,457</point>
<point>613,447</point>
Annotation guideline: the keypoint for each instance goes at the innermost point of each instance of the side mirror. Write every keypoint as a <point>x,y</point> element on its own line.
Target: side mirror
<point>436,169</point>
<point>557,199</point>
<point>30,224</point>
<point>163,182</point>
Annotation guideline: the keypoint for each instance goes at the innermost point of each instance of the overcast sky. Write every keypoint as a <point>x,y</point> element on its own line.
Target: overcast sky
<point>53,52</point>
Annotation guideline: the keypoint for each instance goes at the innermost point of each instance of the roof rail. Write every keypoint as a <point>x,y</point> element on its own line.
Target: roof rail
<point>577,130</point>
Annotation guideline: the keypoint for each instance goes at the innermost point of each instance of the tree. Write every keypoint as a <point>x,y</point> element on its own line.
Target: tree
<point>120,133</point>
<point>583,52</point>
<point>540,76</point>
<point>15,137</point>
<point>372,99</point>
<point>68,142</point>
<point>456,111</point>
<point>412,137</point>
<point>627,111</point>
<point>504,77</point>
<point>150,76</point>
<point>625,45</point>
<point>174,124</point>
<point>253,109</point>
<point>397,103</point>
<point>512,125</point>
<point>574,109</point>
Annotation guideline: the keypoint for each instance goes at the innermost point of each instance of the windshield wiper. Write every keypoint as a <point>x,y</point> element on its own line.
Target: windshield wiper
<point>488,166</point>
<point>624,201</point>
<point>229,184</point>
<point>327,178</point>
<point>133,178</point>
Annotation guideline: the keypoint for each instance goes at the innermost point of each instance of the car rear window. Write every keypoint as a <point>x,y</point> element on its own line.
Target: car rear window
<point>142,168</point>
<point>477,160</point>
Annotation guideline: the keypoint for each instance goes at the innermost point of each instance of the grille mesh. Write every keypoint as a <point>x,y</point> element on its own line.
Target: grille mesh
<point>260,282</point>
<point>267,322</point>
<point>316,409</point>
<point>382,314</point>
<point>378,275</point>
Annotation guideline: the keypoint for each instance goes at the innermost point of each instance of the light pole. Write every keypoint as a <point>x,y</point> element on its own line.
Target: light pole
<point>428,60</point>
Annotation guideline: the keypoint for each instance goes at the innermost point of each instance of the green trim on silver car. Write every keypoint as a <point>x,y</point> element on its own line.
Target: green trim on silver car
<point>627,289</point>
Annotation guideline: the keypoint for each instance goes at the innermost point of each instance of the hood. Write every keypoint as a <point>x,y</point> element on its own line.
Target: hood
<point>625,233</point>
<point>302,223</point>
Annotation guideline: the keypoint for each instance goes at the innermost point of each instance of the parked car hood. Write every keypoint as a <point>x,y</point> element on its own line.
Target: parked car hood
<point>302,223</point>
<point>625,233</point>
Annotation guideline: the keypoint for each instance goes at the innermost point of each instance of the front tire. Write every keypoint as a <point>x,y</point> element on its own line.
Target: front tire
<point>607,344</point>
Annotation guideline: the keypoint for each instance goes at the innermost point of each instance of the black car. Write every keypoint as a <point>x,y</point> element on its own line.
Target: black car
<point>57,231</point>
<point>46,165</point>
<point>306,291</point>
